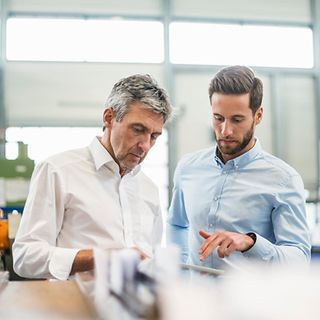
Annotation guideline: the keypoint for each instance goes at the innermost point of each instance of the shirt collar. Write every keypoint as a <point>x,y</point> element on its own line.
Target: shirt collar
<point>241,160</point>
<point>101,157</point>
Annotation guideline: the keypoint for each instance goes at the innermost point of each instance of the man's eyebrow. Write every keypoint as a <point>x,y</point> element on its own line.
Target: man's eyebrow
<point>144,127</point>
<point>238,116</point>
<point>233,116</point>
<point>138,124</point>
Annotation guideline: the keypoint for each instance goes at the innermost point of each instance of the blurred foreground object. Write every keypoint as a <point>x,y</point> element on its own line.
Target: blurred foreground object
<point>122,287</point>
<point>4,279</point>
<point>259,293</point>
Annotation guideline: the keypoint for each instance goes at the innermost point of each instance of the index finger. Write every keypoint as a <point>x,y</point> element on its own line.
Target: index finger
<point>207,242</point>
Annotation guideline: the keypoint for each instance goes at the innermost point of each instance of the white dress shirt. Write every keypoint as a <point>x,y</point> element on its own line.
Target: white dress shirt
<point>78,200</point>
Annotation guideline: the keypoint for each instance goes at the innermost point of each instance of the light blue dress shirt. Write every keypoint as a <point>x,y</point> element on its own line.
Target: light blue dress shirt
<point>255,192</point>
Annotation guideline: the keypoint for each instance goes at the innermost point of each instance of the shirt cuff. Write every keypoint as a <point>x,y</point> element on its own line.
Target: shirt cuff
<point>147,250</point>
<point>262,249</point>
<point>61,262</point>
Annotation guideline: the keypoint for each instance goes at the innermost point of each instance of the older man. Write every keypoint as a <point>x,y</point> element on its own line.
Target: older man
<point>96,196</point>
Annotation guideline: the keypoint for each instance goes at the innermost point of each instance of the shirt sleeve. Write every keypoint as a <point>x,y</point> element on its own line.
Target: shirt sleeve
<point>157,229</point>
<point>177,222</point>
<point>292,236</point>
<point>35,253</point>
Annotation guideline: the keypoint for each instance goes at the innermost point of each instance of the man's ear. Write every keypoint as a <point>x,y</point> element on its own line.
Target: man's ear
<point>259,115</point>
<point>108,116</point>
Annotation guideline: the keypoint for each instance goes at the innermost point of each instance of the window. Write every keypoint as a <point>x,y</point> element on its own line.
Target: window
<point>227,44</point>
<point>44,141</point>
<point>49,39</point>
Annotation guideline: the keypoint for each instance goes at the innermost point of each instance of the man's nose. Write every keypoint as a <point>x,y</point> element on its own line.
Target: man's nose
<point>226,128</point>
<point>145,144</point>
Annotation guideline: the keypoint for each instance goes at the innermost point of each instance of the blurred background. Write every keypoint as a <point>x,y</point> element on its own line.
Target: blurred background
<point>60,59</point>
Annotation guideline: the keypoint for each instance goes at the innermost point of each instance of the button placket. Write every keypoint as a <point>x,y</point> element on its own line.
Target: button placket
<point>212,217</point>
<point>126,213</point>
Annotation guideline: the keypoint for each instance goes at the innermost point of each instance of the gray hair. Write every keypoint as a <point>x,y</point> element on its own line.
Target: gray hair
<point>138,88</point>
<point>238,80</point>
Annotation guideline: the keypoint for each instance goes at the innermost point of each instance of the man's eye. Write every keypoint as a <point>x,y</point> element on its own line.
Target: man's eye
<point>137,129</point>
<point>217,118</point>
<point>154,136</point>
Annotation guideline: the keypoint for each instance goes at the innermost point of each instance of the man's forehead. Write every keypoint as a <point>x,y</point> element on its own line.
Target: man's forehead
<point>235,104</point>
<point>151,122</point>
<point>143,114</point>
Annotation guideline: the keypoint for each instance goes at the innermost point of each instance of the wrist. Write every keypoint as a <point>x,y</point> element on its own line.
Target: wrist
<point>83,261</point>
<point>253,240</point>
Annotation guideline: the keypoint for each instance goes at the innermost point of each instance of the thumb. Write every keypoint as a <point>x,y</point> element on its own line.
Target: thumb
<point>142,255</point>
<point>204,234</point>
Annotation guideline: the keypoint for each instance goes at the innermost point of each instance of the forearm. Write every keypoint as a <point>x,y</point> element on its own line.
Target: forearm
<point>83,261</point>
<point>266,251</point>
<point>38,259</point>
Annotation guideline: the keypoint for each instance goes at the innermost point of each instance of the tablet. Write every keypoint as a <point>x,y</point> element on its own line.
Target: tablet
<point>202,269</point>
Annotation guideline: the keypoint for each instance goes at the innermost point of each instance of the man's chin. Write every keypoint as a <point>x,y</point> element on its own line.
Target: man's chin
<point>132,164</point>
<point>228,150</point>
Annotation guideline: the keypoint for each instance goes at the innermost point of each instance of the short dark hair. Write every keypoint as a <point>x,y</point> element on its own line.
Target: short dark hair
<point>238,80</point>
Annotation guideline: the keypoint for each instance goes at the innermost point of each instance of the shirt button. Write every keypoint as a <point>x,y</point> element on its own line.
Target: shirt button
<point>210,225</point>
<point>216,198</point>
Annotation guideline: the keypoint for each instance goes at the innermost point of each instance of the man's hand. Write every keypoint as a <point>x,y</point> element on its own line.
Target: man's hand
<point>226,242</point>
<point>142,255</point>
<point>84,260</point>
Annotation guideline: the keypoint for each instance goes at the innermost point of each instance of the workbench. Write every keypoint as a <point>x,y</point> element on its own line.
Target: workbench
<point>44,300</point>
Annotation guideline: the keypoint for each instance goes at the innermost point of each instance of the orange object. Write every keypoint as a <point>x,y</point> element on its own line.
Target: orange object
<point>4,240</point>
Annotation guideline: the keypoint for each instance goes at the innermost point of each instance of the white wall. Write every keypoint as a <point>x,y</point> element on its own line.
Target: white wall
<point>298,126</point>
<point>273,10</point>
<point>131,7</point>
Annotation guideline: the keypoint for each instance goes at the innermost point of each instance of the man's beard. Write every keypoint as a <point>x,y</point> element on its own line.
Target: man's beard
<point>123,162</point>
<point>240,146</point>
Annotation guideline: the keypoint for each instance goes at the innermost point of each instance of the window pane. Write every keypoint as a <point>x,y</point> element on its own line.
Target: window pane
<point>45,141</point>
<point>44,39</point>
<point>124,41</point>
<point>39,39</point>
<point>226,44</point>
